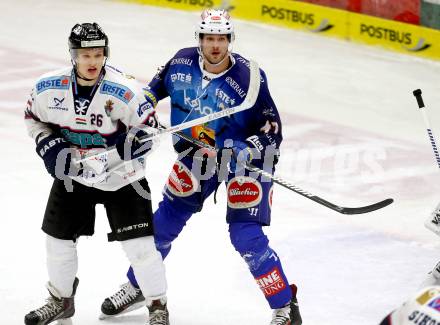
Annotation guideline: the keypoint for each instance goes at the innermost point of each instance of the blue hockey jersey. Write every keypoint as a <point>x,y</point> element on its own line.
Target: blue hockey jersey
<point>182,79</point>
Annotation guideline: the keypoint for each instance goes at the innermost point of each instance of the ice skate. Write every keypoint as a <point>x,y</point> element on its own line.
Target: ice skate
<point>126,299</point>
<point>158,312</point>
<point>289,314</point>
<point>57,308</point>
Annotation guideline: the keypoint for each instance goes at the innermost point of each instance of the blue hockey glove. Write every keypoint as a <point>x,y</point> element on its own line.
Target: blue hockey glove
<point>129,145</point>
<point>48,149</point>
<point>241,155</point>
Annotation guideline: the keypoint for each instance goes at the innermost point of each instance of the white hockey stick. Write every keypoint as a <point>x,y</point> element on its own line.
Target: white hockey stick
<point>433,221</point>
<point>418,94</point>
<point>248,102</point>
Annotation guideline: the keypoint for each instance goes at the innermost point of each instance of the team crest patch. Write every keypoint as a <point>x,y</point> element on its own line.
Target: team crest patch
<point>181,181</point>
<point>116,90</point>
<point>244,192</point>
<point>271,283</point>
<point>62,82</point>
<point>108,107</point>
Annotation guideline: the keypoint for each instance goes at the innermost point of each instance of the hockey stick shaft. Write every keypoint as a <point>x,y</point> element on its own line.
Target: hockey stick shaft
<point>248,102</point>
<point>280,181</point>
<point>418,94</point>
<point>432,223</point>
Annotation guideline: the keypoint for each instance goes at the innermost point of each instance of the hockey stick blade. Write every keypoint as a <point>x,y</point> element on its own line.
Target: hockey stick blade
<point>365,209</point>
<point>296,189</point>
<point>317,199</point>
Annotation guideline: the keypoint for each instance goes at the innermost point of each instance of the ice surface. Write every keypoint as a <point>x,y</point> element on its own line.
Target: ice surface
<point>353,135</point>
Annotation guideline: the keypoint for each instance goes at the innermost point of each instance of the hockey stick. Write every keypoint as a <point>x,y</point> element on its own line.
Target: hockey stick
<point>418,94</point>
<point>433,221</point>
<point>296,189</point>
<point>248,102</point>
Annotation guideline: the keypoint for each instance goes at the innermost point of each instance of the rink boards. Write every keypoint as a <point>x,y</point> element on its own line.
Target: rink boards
<point>392,35</point>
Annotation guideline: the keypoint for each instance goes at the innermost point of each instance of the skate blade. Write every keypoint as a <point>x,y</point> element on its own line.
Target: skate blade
<point>65,321</point>
<point>129,309</point>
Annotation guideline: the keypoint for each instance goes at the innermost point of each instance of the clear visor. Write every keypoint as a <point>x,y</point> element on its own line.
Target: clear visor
<point>88,56</point>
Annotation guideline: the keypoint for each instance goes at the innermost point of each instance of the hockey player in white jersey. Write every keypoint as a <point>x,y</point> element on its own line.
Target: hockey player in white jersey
<point>421,309</point>
<point>433,224</point>
<point>424,307</point>
<point>91,106</point>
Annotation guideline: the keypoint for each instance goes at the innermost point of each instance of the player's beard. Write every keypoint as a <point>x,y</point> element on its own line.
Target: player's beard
<point>210,59</point>
<point>217,61</point>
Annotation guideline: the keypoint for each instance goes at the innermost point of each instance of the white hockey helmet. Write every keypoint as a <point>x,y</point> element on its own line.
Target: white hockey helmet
<point>215,22</point>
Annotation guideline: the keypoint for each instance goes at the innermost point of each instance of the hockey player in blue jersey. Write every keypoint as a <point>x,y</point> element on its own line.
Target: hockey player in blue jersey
<point>199,81</point>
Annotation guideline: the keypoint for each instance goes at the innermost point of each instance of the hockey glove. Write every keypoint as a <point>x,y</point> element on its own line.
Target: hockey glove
<point>129,145</point>
<point>94,170</point>
<point>53,148</point>
<point>241,155</point>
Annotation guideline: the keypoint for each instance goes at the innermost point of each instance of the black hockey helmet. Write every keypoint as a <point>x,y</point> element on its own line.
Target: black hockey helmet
<point>88,35</point>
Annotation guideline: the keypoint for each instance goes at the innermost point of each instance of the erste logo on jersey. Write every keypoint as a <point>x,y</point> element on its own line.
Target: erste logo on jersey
<point>116,90</point>
<point>186,78</point>
<point>244,192</point>
<point>271,283</point>
<point>220,94</point>
<point>181,181</point>
<point>62,82</point>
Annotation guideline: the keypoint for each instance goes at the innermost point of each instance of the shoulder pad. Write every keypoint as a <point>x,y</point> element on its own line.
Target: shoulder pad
<point>56,82</point>
<point>185,56</point>
<point>119,73</point>
<point>116,90</point>
<point>58,79</point>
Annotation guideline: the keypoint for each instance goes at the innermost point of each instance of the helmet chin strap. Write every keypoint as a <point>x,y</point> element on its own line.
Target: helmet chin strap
<point>81,77</point>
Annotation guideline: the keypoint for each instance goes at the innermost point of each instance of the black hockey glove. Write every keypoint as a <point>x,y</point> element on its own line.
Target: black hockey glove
<point>129,145</point>
<point>181,146</point>
<point>49,149</point>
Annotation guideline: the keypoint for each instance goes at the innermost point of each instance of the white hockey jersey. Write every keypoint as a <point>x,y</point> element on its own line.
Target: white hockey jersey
<point>422,309</point>
<point>117,104</point>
